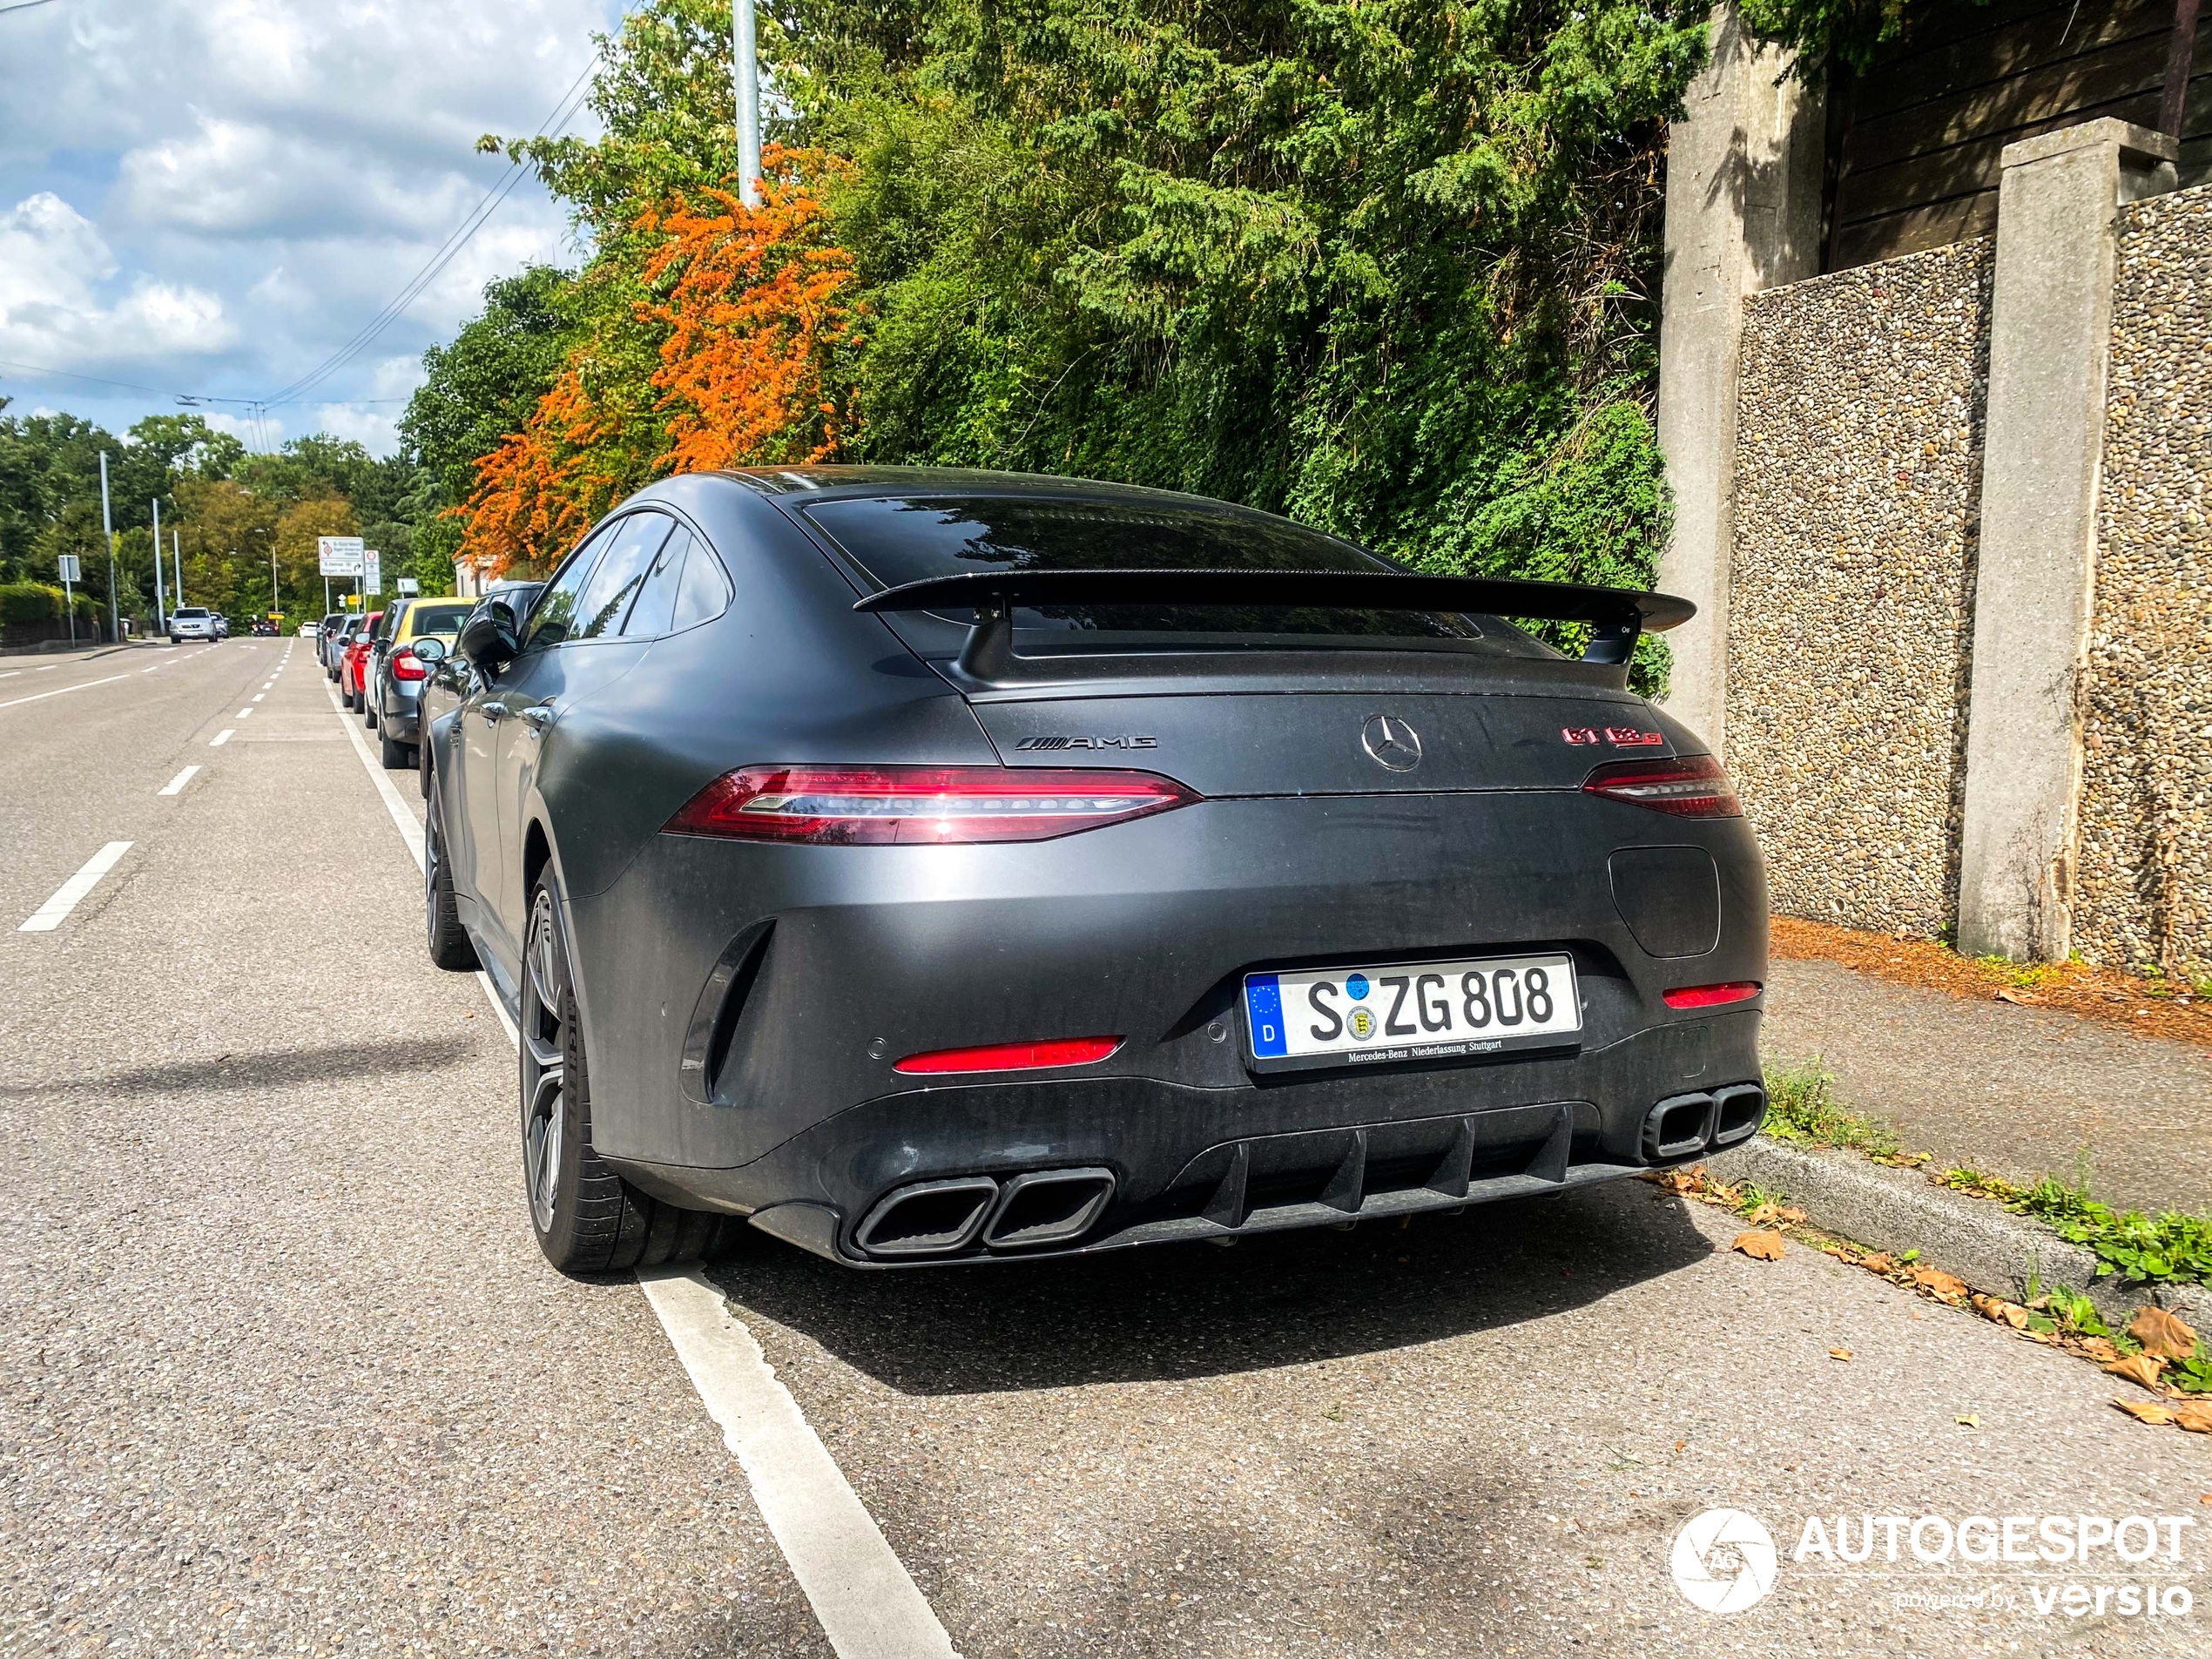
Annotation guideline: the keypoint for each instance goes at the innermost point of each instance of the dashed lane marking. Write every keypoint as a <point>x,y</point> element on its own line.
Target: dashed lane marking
<point>244,713</point>
<point>867,1603</point>
<point>71,892</point>
<point>220,738</point>
<point>61,690</point>
<point>176,785</point>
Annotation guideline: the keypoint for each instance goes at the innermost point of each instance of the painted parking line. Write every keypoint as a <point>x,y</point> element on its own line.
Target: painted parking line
<point>866,1602</point>
<point>71,892</point>
<point>244,713</point>
<point>176,785</point>
<point>61,690</point>
<point>220,738</point>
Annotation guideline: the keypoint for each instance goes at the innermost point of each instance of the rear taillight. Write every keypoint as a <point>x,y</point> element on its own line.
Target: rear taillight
<point>914,805</point>
<point>1693,786</point>
<point>405,666</point>
<point>1712,996</point>
<point>1013,1056</point>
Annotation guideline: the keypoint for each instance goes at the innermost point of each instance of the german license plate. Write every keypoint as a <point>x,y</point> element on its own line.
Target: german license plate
<point>1353,1017</point>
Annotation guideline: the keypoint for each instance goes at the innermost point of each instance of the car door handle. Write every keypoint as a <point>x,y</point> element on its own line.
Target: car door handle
<point>540,716</point>
<point>493,712</point>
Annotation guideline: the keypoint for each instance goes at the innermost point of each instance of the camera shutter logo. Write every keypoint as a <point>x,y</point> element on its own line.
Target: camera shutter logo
<point>1724,1560</point>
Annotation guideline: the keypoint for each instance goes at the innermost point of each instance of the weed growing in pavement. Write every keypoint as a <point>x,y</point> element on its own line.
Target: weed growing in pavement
<point>1802,1106</point>
<point>2170,1248</point>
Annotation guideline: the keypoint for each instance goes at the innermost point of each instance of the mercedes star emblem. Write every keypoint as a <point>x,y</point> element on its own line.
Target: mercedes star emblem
<point>1391,743</point>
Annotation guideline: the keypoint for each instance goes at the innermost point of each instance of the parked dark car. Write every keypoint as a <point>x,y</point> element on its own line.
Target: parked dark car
<point>372,662</point>
<point>421,637</point>
<point>454,677</point>
<point>934,867</point>
<point>336,639</point>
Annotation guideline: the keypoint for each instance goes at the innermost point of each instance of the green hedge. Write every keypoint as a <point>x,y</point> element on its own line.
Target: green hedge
<point>34,602</point>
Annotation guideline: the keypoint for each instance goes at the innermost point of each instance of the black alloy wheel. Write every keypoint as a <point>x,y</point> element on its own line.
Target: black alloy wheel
<point>448,941</point>
<point>587,1218</point>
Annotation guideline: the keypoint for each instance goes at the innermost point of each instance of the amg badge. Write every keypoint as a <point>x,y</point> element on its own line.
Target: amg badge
<point>1030,745</point>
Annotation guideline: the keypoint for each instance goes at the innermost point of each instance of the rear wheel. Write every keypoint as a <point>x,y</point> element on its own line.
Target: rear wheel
<point>398,757</point>
<point>368,714</point>
<point>588,1220</point>
<point>448,941</point>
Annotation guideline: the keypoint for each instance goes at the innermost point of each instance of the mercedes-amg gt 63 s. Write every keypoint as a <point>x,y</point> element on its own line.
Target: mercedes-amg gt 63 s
<point>940,866</point>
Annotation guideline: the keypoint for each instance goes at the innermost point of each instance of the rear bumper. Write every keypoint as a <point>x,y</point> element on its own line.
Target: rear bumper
<point>1179,1164</point>
<point>399,713</point>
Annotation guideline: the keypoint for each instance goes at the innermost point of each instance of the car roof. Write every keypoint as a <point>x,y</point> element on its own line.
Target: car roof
<point>836,483</point>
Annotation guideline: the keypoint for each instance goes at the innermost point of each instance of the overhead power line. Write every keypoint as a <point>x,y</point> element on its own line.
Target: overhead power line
<point>564,112</point>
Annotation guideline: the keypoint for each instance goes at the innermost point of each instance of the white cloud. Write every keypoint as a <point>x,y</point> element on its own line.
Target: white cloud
<point>54,265</point>
<point>213,196</point>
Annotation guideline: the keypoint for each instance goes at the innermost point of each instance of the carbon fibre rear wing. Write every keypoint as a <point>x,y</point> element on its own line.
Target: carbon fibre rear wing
<point>1618,614</point>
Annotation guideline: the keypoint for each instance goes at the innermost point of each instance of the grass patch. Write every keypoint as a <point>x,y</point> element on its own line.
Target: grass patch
<point>2169,1249</point>
<point>1802,1106</point>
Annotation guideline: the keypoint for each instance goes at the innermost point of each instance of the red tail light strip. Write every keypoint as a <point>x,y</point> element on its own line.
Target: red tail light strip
<point>919,806</point>
<point>405,666</point>
<point>1012,1056</point>
<point>1691,786</point>
<point>1712,996</point>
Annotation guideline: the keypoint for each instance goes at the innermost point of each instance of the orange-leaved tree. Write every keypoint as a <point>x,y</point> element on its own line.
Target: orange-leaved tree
<point>760,306</point>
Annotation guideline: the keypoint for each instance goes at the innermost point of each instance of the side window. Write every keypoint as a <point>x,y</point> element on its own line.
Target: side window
<point>705,591</point>
<point>554,612</point>
<point>606,597</point>
<point>654,613</point>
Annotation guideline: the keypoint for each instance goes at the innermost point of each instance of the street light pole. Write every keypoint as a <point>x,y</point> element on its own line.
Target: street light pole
<point>176,556</point>
<point>746,71</point>
<point>107,528</point>
<point>160,621</point>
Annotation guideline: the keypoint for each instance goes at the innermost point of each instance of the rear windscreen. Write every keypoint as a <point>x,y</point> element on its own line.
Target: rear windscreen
<point>438,618</point>
<point>913,538</point>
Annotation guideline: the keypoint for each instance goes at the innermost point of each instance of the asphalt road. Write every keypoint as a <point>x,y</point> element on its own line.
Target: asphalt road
<point>280,1369</point>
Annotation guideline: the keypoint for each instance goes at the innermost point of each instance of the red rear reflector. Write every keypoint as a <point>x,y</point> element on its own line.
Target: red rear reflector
<point>405,666</point>
<point>918,805</point>
<point>1013,1056</point>
<point>1712,996</point>
<point>1692,786</point>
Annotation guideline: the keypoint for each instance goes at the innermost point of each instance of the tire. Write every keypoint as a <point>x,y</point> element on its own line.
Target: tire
<point>587,1218</point>
<point>397,757</point>
<point>368,712</point>
<point>448,939</point>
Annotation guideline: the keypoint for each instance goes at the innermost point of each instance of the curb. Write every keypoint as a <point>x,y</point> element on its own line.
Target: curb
<point>1978,1239</point>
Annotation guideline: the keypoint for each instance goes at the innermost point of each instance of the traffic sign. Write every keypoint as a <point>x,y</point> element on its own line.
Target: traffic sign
<point>70,572</point>
<point>372,572</point>
<point>339,554</point>
<point>406,584</point>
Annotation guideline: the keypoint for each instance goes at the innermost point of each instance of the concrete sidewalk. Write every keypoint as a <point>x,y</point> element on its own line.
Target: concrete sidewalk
<point>2006,1089</point>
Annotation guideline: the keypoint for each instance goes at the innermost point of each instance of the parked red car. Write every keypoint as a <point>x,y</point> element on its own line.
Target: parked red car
<point>349,666</point>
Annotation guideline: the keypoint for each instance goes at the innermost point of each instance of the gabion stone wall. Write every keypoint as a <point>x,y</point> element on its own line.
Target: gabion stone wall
<point>2143,873</point>
<point>1857,497</point>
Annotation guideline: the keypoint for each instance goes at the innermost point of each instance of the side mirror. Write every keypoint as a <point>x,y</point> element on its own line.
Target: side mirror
<point>487,638</point>
<point>428,649</point>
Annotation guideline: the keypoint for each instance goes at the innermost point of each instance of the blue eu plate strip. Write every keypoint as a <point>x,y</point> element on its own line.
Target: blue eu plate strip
<point>1264,1010</point>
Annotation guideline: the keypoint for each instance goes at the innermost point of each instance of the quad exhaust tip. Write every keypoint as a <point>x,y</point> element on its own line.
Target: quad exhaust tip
<point>939,1217</point>
<point>1684,1125</point>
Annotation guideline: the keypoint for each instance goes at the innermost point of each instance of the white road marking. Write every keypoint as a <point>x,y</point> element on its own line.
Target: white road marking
<point>176,785</point>
<point>220,738</point>
<point>40,697</point>
<point>71,892</point>
<point>11,674</point>
<point>867,1604</point>
<point>858,1588</point>
<point>49,669</point>
<point>258,696</point>
<point>243,713</point>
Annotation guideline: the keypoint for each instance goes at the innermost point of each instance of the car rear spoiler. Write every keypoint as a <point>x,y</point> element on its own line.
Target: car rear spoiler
<point>1619,613</point>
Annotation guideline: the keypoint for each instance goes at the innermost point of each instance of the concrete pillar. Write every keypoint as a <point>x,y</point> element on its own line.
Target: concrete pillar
<point>1743,168</point>
<point>2043,444</point>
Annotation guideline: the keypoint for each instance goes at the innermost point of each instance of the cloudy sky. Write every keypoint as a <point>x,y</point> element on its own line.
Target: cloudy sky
<point>213,196</point>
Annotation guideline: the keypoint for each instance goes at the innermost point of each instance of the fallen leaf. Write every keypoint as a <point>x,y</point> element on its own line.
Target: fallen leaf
<point>1792,1215</point>
<point>2138,1368</point>
<point>2163,1334</point>
<point>1760,1246</point>
<point>2197,1416</point>
<point>1968,1420</point>
<point>2144,1411</point>
<point>1766,1212</point>
<point>2001,1312</point>
<point>1839,1353</point>
<point>1936,1281</point>
<point>1680,1444</point>
<point>2097,1348</point>
<point>1879,1263</point>
<point>2022,998</point>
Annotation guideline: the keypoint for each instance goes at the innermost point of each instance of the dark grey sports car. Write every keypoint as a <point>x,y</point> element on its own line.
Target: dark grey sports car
<point>936,867</point>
